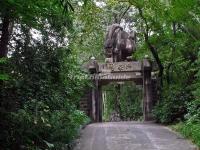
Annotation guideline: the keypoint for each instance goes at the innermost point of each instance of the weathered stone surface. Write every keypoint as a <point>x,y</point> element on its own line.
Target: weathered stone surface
<point>133,66</point>
<point>119,44</point>
<point>130,136</point>
<point>117,76</point>
<point>85,102</point>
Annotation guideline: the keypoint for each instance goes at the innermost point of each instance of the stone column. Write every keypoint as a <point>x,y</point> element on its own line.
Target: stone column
<point>93,102</point>
<point>93,69</point>
<point>96,100</point>
<point>96,96</point>
<point>147,91</point>
<point>100,104</point>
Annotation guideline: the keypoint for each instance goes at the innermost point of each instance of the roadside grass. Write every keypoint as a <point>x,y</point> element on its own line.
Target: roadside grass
<point>189,130</point>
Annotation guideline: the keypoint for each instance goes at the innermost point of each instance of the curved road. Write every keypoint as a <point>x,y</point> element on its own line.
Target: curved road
<point>130,136</point>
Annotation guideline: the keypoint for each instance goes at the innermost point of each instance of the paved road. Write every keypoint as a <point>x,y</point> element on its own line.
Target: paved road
<point>130,136</point>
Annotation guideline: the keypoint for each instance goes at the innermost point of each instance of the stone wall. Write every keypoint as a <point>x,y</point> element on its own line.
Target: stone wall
<point>85,104</point>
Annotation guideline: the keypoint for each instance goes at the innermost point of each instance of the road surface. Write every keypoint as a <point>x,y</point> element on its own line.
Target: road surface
<point>130,136</point>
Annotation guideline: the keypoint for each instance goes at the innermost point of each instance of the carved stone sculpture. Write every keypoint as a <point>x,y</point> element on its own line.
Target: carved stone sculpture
<point>119,45</point>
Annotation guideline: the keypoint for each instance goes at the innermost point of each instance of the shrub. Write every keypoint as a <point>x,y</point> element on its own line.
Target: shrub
<point>45,128</point>
<point>193,114</point>
<point>39,103</point>
<point>173,105</point>
<point>131,102</point>
<point>190,130</point>
<point>129,105</point>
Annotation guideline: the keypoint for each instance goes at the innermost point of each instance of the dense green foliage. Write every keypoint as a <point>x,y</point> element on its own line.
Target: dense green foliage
<point>3,74</point>
<point>191,127</point>
<point>189,130</point>
<point>43,108</point>
<point>173,105</point>
<point>39,101</point>
<point>193,114</point>
<point>131,102</point>
<point>128,105</point>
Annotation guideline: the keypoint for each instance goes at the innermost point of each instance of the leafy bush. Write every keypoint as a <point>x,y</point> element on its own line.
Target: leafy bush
<point>39,104</point>
<point>191,127</point>
<point>3,75</point>
<point>193,114</point>
<point>189,130</point>
<point>129,105</point>
<point>131,102</point>
<point>173,105</point>
<point>45,129</point>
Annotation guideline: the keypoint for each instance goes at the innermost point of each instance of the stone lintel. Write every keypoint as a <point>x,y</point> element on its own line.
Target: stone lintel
<point>120,76</point>
<point>133,66</point>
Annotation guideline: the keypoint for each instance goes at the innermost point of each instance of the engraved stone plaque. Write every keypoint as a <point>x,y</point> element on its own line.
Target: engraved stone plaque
<point>121,67</point>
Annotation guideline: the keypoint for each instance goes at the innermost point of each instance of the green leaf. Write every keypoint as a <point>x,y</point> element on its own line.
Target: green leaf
<point>4,77</point>
<point>50,145</point>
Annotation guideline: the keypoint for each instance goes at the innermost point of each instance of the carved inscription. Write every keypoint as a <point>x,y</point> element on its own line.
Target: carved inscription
<point>120,67</point>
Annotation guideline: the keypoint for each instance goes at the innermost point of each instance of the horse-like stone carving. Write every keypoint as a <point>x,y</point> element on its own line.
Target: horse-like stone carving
<point>119,45</point>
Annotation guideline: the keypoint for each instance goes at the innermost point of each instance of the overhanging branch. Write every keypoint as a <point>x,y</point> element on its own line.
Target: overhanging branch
<point>150,46</point>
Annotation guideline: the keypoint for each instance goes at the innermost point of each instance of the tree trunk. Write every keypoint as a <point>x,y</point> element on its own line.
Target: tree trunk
<point>4,37</point>
<point>158,61</point>
<point>152,48</point>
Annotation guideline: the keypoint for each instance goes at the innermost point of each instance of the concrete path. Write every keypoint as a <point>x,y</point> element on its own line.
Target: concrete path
<point>130,136</point>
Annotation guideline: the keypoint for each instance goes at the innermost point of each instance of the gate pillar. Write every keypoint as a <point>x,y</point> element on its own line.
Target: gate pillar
<point>96,93</point>
<point>99,104</point>
<point>147,90</point>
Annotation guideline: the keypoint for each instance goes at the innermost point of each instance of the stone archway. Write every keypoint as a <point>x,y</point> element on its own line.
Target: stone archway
<point>104,73</point>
